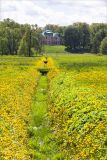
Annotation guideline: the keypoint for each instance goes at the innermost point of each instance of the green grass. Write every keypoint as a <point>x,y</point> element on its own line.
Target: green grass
<point>17,61</point>
<point>54,49</point>
<point>41,142</point>
<point>81,61</point>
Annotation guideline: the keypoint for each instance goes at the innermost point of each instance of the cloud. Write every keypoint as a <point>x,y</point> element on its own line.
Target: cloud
<point>62,12</point>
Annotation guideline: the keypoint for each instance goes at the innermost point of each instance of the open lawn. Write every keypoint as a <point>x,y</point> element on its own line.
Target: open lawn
<point>81,61</point>
<point>54,49</point>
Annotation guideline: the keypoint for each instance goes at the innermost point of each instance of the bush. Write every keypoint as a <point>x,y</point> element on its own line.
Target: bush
<point>103,46</point>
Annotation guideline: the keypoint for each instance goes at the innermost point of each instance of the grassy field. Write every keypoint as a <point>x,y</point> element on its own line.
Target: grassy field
<point>62,115</point>
<point>78,61</point>
<point>78,109</point>
<point>54,49</point>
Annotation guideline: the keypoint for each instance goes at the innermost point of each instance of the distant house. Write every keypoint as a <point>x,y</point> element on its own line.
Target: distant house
<point>51,38</point>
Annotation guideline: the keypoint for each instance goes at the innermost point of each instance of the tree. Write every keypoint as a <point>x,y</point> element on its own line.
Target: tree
<point>3,42</point>
<point>98,31</point>
<point>51,27</point>
<point>31,39</point>
<point>23,47</point>
<point>103,46</point>
<point>37,40</point>
<point>12,33</point>
<point>77,37</point>
<point>84,34</point>
<point>3,45</point>
<point>71,37</point>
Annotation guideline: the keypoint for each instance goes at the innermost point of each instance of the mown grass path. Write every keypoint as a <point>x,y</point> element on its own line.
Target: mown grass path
<point>41,142</point>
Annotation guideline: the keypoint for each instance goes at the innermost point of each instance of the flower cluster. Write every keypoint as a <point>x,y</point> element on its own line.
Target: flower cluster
<point>53,68</point>
<point>17,85</point>
<point>40,63</point>
<point>78,113</point>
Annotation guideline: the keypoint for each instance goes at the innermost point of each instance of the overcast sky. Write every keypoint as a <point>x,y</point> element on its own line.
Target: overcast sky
<point>62,12</point>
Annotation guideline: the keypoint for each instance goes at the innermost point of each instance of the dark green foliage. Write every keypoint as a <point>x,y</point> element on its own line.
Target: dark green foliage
<point>20,39</point>
<point>80,37</point>
<point>71,37</point>
<point>97,33</point>
<point>10,35</point>
<point>31,42</point>
<point>16,37</point>
<point>3,45</point>
<point>84,34</point>
<point>103,46</point>
<point>77,37</point>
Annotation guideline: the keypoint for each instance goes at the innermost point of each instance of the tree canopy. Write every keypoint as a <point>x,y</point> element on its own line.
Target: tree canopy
<point>103,46</point>
<point>26,39</point>
<point>84,37</point>
<point>19,39</point>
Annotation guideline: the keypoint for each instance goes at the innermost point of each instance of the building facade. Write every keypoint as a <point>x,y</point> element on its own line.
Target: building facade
<point>51,38</point>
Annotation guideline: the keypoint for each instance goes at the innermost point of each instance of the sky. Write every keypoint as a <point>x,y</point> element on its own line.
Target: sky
<point>61,12</point>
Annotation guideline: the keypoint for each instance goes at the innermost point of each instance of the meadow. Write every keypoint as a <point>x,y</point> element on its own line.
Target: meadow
<point>54,49</point>
<point>61,115</point>
<point>78,106</point>
<point>16,90</point>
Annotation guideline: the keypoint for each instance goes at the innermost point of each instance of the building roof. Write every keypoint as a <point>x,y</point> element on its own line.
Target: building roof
<point>47,33</point>
<point>50,33</point>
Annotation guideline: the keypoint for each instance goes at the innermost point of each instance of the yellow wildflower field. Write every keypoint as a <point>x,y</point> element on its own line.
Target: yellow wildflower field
<point>18,80</point>
<point>78,107</point>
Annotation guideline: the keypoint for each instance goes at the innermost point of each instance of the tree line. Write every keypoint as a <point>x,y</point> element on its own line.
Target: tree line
<point>82,37</point>
<point>25,39</point>
<point>19,39</point>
